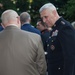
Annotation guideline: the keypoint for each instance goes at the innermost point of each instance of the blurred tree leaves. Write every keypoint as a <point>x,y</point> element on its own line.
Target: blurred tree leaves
<point>69,10</point>
<point>64,7</point>
<point>35,6</point>
<point>7,4</point>
<point>22,5</point>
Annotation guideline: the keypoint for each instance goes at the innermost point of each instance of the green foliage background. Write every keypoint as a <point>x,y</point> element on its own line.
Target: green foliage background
<point>64,7</point>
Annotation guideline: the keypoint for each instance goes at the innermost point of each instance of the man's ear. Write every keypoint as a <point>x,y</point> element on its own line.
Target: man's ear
<point>18,21</point>
<point>54,12</point>
<point>2,25</point>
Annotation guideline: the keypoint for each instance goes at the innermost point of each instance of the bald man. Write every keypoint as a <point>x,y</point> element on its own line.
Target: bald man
<point>21,52</point>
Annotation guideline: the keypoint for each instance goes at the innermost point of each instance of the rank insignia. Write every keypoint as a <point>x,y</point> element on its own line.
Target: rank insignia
<point>63,22</point>
<point>52,47</point>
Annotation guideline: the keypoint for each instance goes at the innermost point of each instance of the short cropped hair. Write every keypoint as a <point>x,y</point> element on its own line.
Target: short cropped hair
<point>73,24</point>
<point>47,6</point>
<point>8,15</point>
<point>24,17</point>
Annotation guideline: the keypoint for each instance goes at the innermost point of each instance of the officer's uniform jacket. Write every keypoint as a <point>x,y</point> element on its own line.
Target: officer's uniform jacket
<point>44,35</point>
<point>61,49</point>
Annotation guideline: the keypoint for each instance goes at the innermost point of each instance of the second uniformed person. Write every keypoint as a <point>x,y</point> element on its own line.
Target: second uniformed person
<point>61,42</point>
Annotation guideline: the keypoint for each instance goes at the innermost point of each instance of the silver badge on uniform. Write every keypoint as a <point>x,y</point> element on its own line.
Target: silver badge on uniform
<point>63,22</point>
<point>55,33</point>
<point>52,47</point>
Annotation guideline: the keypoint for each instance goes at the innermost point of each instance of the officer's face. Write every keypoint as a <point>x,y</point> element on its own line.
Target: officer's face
<point>47,17</point>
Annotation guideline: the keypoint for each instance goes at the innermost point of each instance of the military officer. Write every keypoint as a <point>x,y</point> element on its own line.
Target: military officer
<point>61,42</point>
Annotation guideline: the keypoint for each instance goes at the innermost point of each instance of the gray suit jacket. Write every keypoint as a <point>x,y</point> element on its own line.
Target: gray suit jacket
<point>21,53</point>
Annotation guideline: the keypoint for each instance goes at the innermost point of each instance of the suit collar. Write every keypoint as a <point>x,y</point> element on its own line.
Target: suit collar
<point>27,24</point>
<point>12,27</point>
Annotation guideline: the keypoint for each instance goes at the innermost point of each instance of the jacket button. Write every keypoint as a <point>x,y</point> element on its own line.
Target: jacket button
<point>59,68</point>
<point>52,40</point>
<point>47,45</point>
<point>49,37</point>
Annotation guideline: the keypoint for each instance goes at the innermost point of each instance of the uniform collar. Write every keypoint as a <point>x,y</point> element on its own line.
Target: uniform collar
<point>58,22</point>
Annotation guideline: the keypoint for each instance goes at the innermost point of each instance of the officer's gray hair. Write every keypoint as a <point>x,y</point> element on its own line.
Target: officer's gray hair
<point>47,6</point>
<point>24,17</point>
<point>73,24</point>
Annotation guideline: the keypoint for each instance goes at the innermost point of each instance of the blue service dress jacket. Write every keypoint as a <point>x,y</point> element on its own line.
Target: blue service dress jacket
<point>61,49</point>
<point>30,28</point>
<point>1,28</point>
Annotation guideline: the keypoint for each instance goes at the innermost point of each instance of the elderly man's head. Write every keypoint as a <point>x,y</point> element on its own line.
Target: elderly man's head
<point>48,14</point>
<point>10,17</point>
<point>25,17</point>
